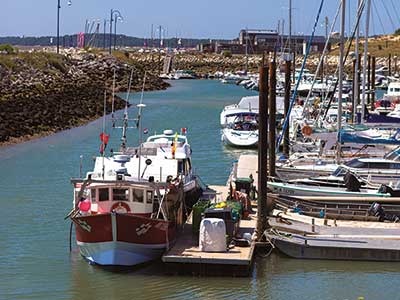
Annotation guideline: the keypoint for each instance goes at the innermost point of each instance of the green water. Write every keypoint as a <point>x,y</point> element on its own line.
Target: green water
<point>35,195</point>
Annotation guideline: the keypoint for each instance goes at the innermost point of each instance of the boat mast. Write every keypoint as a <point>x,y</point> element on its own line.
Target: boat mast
<point>113,100</point>
<point>356,70</point>
<point>340,79</point>
<point>103,133</point>
<point>290,28</point>
<point>139,125</point>
<point>125,122</point>
<point>364,82</point>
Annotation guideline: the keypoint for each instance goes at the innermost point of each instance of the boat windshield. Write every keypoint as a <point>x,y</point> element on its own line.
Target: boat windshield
<point>356,163</point>
<point>394,155</point>
<point>340,171</point>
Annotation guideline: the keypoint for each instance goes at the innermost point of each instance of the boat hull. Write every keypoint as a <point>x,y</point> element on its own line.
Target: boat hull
<point>297,190</point>
<point>245,139</point>
<point>363,250</point>
<point>122,239</point>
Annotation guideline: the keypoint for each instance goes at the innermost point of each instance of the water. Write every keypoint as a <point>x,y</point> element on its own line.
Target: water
<point>35,195</point>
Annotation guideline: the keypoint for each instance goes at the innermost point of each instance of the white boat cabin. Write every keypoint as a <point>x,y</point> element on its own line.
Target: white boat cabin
<point>104,198</point>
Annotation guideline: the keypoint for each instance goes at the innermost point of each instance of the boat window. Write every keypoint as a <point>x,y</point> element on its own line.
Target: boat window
<point>137,195</point>
<point>180,166</point>
<point>355,163</point>
<point>103,194</point>
<point>149,197</point>
<point>339,172</point>
<point>120,194</point>
<point>379,165</point>
<point>395,166</point>
<point>93,195</point>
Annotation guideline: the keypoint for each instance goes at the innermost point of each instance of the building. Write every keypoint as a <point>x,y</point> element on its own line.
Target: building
<point>257,41</point>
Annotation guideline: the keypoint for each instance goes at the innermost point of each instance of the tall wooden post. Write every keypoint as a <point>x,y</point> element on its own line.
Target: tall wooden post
<point>286,150</point>
<point>272,118</point>
<point>373,83</point>
<point>262,152</point>
<point>390,64</point>
<point>395,65</point>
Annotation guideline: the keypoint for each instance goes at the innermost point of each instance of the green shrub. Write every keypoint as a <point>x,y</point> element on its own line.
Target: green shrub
<point>7,48</point>
<point>227,53</point>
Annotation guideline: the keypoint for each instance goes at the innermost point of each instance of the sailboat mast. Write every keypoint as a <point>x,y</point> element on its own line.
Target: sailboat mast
<point>364,82</point>
<point>290,27</point>
<point>340,92</point>
<point>356,69</point>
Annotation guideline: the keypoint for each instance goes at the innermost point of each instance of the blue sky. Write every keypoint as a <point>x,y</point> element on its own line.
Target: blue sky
<point>186,18</point>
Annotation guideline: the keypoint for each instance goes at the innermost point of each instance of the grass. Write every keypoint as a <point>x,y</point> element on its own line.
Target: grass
<point>38,60</point>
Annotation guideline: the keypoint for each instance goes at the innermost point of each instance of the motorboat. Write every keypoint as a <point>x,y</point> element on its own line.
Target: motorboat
<point>242,132</point>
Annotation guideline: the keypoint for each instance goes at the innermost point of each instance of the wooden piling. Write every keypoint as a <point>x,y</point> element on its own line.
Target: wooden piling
<point>262,152</point>
<point>373,84</point>
<point>390,64</point>
<point>288,66</point>
<point>272,118</point>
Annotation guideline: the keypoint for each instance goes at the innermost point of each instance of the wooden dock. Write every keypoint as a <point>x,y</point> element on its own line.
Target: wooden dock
<point>185,256</point>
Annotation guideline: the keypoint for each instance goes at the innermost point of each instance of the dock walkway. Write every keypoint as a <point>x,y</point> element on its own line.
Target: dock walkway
<point>185,254</point>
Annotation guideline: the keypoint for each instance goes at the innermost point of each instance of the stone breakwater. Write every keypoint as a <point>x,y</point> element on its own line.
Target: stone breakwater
<point>42,93</point>
<point>205,64</point>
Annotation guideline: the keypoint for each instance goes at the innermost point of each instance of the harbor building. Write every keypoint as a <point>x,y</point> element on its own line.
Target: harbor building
<point>257,41</point>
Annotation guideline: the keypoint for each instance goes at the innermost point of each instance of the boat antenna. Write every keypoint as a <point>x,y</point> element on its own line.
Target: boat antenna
<point>125,120</point>
<point>104,129</point>
<point>139,124</point>
<point>113,100</point>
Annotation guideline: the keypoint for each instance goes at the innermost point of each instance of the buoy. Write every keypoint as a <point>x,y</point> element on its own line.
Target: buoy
<point>306,130</point>
<point>84,205</point>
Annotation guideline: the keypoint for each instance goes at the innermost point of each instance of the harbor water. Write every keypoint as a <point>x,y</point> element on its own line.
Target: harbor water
<point>35,195</point>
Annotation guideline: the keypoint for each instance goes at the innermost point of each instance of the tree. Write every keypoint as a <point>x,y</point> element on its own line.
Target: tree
<point>397,32</point>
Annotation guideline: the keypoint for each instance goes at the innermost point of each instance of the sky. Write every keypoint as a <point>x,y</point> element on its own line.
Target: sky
<point>211,19</point>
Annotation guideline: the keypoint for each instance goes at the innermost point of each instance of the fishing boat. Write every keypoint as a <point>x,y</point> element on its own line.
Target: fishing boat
<point>127,210</point>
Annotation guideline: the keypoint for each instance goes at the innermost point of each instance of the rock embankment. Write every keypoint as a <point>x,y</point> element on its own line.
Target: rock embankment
<point>43,93</point>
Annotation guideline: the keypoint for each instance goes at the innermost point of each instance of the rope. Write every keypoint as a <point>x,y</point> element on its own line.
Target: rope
<point>286,123</point>
<point>388,13</point>
<point>395,11</point>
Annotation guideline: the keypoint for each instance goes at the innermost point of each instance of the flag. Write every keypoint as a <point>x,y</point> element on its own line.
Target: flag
<point>173,149</point>
<point>183,130</point>
<point>104,138</point>
<point>145,131</point>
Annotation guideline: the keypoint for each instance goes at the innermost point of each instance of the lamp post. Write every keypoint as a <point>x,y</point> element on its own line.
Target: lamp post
<point>117,18</point>
<point>117,14</point>
<point>58,23</point>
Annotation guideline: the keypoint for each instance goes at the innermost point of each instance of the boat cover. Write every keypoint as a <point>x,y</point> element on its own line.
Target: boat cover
<point>347,137</point>
<point>212,237</point>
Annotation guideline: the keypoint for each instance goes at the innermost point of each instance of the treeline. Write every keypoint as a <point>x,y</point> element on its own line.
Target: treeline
<point>101,40</point>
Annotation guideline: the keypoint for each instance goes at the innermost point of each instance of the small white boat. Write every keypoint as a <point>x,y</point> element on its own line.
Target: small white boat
<point>240,138</point>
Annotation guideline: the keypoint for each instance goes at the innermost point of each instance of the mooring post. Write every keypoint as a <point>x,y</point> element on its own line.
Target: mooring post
<point>262,152</point>
<point>373,83</point>
<point>390,64</point>
<point>286,103</point>
<point>272,118</point>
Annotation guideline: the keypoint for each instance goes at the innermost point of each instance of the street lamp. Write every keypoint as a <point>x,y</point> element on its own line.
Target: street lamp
<point>69,3</point>
<point>117,14</point>
<point>118,18</point>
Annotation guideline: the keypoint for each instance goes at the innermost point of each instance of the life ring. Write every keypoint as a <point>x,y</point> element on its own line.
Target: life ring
<point>306,130</point>
<point>121,207</point>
